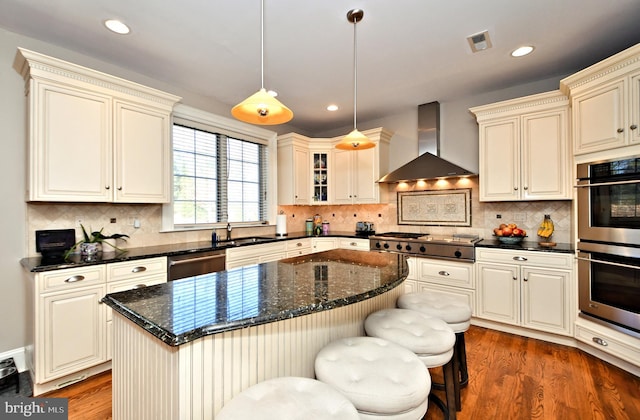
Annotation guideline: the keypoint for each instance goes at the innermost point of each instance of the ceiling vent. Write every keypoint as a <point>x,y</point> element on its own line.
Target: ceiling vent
<point>479,41</point>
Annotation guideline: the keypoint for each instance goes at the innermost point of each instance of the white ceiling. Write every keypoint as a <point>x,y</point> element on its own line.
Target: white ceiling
<point>409,51</point>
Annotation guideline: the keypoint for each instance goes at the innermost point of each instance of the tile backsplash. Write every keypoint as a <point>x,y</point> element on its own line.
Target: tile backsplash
<point>341,218</point>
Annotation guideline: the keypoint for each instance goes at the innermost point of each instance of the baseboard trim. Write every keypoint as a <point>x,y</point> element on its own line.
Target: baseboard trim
<point>18,357</point>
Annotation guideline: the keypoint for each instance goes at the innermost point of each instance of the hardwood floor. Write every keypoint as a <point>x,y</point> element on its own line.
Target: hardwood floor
<point>511,378</point>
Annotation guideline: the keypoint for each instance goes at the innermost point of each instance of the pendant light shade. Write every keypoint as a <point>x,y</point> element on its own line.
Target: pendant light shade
<point>262,108</point>
<point>355,140</point>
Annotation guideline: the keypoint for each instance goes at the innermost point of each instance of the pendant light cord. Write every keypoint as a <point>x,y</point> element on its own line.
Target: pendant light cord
<point>355,73</point>
<point>262,44</point>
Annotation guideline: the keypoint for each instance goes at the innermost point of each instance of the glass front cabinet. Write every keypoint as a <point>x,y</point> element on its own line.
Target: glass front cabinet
<point>320,177</point>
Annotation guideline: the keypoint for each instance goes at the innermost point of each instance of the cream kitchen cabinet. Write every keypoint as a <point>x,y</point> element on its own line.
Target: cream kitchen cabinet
<point>71,328</point>
<point>524,149</point>
<point>356,172</point>
<point>323,244</point>
<point>605,103</point>
<point>94,137</point>
<point>355,244</point>
<point>526,288</point>
<point>294,170</point>
<point>297,247</point>
<point>255,254</point>
<point>450,277</point>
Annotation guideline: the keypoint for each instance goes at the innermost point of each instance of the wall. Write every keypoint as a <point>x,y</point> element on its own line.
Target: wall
<point>527,215</point>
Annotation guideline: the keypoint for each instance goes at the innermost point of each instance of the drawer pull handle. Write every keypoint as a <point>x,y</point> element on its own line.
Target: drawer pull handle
<point>443,273</point>
<point>600,341</point>
<point>520,258</point>
<point>140,286</point>
<point>299,244</point>
<point>354,244</point>
<point>620,130</point>
<point>74,279</point>
<point>138,269</point>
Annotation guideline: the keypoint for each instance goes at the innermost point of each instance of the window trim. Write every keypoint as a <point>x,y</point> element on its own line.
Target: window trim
<point>196,118</point>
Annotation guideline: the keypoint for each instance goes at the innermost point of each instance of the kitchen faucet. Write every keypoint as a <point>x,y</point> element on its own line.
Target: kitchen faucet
<point>229,228</point>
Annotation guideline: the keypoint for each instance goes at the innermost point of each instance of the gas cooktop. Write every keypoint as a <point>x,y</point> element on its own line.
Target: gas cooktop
<point>453,247</point>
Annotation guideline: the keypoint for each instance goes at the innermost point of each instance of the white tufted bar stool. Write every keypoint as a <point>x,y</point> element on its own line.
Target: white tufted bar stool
<point>457,314</point>
<point>382,379</point>
<point>430,338</point>
<point>289,398</point>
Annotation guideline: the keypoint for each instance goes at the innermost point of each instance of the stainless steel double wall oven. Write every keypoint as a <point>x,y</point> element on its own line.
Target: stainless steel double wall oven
<point>609,241</point>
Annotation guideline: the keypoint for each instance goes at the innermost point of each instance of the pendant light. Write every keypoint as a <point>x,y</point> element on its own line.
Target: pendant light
<point>262,108</point>
<point>355,140</point>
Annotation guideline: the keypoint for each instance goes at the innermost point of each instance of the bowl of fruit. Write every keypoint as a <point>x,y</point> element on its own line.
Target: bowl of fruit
<point>510,234</point>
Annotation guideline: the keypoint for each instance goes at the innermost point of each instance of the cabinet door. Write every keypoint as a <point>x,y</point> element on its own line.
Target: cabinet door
<point>598,115</point>
<point>343,175</point>
<point>143,153</point>
<point>71,326</point>
<point>301,181</point>
<point>321,192</point>
<point>323,244</point>
<point>545,156</point>
<point>365,189</point>
<point>545,300</point>
<point>634,116</point>
<point>498,293</point>
<point>500,160</point>
<point>70,151</point>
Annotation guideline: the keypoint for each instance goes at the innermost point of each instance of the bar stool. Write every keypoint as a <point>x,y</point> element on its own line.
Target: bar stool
<point>290,398</point>
<point>457,314</point>
<point>382,379</point>
<point>431,339</point>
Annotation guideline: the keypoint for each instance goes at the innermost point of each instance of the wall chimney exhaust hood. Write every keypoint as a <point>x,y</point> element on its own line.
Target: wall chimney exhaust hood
<point>428,165</point>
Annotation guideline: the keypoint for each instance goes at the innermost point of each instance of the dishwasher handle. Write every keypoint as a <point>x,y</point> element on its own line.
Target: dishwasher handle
<point>195,259</point>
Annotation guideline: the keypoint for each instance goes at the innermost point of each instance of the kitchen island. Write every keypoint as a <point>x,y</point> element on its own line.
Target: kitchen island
<point>184,348</point>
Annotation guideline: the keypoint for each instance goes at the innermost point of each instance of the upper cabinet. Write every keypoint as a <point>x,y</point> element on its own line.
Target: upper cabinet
<point>94,137</point>
<point>605,101</point>
<point>313,171</point>
<point>524,149</point>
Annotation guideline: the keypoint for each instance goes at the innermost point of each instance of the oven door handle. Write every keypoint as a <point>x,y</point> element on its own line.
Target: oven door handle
<point>604,184</point>
<point>608,263</point>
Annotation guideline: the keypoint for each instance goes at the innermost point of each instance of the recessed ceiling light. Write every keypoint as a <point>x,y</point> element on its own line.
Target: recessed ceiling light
<point>521,51</point>
<point>332,108</point>
<point>273,93</point>
<point>117,26</point>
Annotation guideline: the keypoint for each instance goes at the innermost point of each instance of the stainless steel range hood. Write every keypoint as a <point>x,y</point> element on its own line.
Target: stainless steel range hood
<point>428,165</point>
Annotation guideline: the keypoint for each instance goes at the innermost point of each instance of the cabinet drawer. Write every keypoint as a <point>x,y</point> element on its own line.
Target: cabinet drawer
<point>620,345</point>
<point>543,259</point>
<point>296,244</point>
<point>135,283</point>
<point>350,243</point>
<point>445,273</point>
<point>70,278</point>
<point>139,268</point>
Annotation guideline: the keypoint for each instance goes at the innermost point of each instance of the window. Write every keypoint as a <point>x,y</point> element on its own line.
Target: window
<point>219,175</point>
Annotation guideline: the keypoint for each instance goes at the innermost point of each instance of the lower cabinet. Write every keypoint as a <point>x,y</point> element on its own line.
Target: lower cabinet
<point>450,277</point>
<point>71,327</point>
<point>255,254</point>
<point>298,247</point>
<point>526,288</point>
<point>323,244</point>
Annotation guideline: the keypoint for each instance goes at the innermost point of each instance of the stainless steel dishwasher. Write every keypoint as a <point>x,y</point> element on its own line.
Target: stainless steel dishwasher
<point>195,263</point>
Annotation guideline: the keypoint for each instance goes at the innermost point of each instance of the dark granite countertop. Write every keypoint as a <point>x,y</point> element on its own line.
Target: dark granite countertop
<point>184,310</point>
<point>39,264</point>
<point>526,246</point>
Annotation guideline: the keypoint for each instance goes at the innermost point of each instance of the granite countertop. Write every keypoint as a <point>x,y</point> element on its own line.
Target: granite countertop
<point>184,310</point>
<point>39,264</point>
<point>526,246</point>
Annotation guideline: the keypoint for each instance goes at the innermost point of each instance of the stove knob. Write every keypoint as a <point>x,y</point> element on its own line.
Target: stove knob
<point>408,247</point>
<point>386,246</point>
<point>378,245</point>
<point>399,247</point>
<point>423,249</point>
<point>458,254</point>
